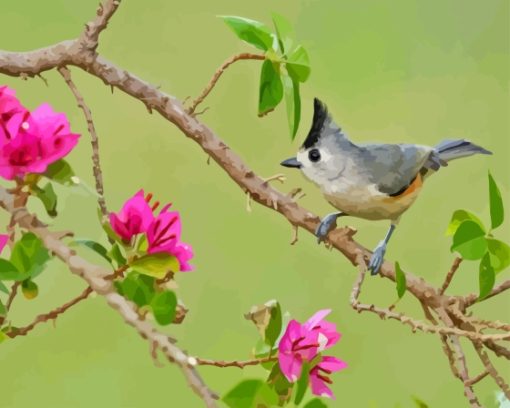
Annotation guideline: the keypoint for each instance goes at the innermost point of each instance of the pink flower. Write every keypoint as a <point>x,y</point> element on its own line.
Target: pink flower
<point>31,142</point>
<point>183,252</point>
<point>4,238</point>
<point>134,218</point>
<point>164,233</point>
<point>319,375</point>
<point>302,342</point>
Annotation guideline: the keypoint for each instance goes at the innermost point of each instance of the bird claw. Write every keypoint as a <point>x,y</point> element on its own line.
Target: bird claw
<point>377,258</point>
<point>327,224</point>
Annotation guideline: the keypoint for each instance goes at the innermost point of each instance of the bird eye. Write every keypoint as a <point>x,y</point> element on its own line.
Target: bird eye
<point>314,155</point>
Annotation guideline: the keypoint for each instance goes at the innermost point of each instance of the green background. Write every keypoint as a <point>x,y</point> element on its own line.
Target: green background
<point>390,71</point>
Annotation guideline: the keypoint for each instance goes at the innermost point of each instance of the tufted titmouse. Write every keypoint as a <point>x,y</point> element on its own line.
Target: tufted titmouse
<point>371,181</point>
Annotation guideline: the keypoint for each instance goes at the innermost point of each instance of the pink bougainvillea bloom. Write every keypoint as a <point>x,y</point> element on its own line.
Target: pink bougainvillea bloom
<point>53,130</point>
<point>183,252</point>
<point>134,218</point>
<point>31,142</point>
<point>4,238</point>
<point>327,333</point>
<point>302,342</point>
<point>164,233</point>
<point>319,375</point>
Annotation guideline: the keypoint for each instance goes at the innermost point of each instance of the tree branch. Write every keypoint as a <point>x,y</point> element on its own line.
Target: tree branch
<point>472,298</point>
<point>96,164</point>
<point>235,363</point>
<point>456,263</point>
<point>489,367</point>
<point>23,331</point>
<point>217,75</point>
<point>95,276</point>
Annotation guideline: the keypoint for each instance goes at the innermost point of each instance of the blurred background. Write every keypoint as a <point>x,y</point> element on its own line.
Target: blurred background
<point>392,71</point>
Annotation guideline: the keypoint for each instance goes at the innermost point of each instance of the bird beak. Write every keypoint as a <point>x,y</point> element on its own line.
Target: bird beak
<point>292,162</point>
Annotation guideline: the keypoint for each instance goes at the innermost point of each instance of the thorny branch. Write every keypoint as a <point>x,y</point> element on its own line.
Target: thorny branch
<point>96,276</point>
<point>217,75</point>
<point>81,52</point>
<point>96,164</point>
<point>235,363</point>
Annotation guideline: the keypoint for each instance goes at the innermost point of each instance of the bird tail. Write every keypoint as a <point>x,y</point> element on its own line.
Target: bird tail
<point>449,150</point>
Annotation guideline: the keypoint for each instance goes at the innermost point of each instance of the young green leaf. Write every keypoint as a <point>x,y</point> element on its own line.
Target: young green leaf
<point>315,403</point>
<point>496,204</point>
<point>271,88</point>
<point>283,32</point>
<point>3,288</point>
<point>400,278</point>
<point>302,384</point>
<point>115,253</point>
<point>163,306</point>
<point>30,289</point>
<point>274,327</point>
<point>487,277</point>
<point>137,288</point>
<point>61,172</point>
<point>3,312</point>
<point>459,216</point>
<point>419,403</point>
<point>48,198</point>
<point>250,394</point>
<point>156,265</point>
<point>94,246</point>
<point>298,64</point>
<point>499,253</point>
<point>8,271</point>
<point>469,240</point>
<point>29,256</point>
<point>251,31</point>
<point>293,104</point>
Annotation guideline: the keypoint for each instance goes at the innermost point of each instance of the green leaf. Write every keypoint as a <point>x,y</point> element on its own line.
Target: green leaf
<point>315,403</point>
<point>496,204</point>
<point>400,278</point>
<point>163,306</point>
<point>271,88</point>
<point>274,327</point>
<point>283,32</point>
<point>110,233</point>
<point>293,103</point>
<point>251,394</point>
<point>251,31</point>
<point>499,253</point>
<point>3,288</point>
<point>487,277</point>
<point>458,217</point>
<point>29,256</point>
<point>8,271</point>
<point>302,384</point>
<point>298,64</point>
<point>469,240</point>
<point>94,246</point>
<point>61,172</point>
<point>3,312</point>
<point>419,403</point>
<point>137,288</point>
<point>48,198</point>
<point>156,265</point>
<point>115,253</point>
<point>280,384</point>
<point>30,289</point>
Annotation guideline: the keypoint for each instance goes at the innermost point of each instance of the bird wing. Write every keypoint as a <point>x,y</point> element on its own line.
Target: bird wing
<point>393,167</point>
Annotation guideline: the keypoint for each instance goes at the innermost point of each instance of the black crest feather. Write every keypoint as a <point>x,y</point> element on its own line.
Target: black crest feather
<point>320,115</point>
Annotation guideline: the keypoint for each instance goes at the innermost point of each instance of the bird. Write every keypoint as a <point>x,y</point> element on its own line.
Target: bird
<point>370,181</point>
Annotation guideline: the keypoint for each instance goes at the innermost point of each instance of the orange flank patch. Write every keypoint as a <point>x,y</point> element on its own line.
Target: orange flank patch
<point>413,187</point>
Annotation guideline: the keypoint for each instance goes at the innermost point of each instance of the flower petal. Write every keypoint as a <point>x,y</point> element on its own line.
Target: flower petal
<point>319,387</point>
<point>316,318</point>
<point>4,238</point>
<point>290,365</point>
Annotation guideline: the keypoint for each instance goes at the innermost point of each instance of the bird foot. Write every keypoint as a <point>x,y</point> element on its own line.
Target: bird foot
<point>377,258</point>
<point>328,224</point>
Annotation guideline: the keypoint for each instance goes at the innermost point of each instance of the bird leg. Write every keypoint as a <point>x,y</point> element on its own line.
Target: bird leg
<point>378,255</point>
<point>328,223</point>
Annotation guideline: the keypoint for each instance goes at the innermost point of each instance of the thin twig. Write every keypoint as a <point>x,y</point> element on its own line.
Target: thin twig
<point>472,298</point>
<point>14,290</point>
<point>456,263</point>
<point>478,378</point>
<point>497,349</point>
<point>235,363</point>
<point>217,75</point>
<point>96,164</point>
<point>491,369</point>
<point>23,331</point>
